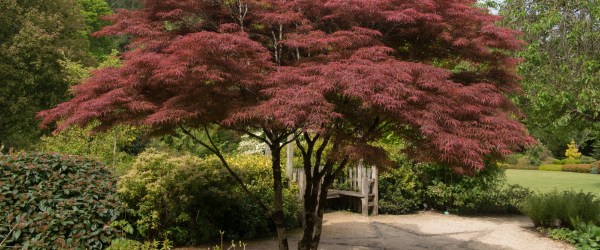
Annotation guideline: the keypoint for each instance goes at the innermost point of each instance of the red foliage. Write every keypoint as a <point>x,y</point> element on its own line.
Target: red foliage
<point>435,72</point>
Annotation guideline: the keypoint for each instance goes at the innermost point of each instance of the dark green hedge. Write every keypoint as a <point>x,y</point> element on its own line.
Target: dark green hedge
<point>52,201</point>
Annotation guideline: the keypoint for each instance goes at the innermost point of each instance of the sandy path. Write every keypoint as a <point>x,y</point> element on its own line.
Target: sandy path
<point>344,230</point>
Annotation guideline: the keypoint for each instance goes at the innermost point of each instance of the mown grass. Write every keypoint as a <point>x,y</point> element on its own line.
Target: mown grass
<point>546,181</point>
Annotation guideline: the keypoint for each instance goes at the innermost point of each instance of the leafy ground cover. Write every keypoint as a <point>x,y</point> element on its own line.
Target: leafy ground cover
<point>546,181</point>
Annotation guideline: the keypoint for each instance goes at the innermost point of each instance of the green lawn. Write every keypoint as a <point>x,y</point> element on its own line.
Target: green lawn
<point>545,181</point>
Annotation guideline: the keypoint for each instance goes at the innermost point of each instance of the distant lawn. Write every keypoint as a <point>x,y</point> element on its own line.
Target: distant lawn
<point>545,181</point>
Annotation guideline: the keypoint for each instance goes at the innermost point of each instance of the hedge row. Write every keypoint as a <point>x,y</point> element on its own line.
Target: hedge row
<point>52,201</point>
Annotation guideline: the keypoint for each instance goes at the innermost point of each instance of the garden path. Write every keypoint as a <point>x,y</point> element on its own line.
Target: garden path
<point>426,230</point>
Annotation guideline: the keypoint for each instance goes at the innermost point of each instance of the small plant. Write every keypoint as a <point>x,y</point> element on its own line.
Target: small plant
<point>559,209</point>
<point>127,244</point>
<point>595,167</point>
<point>572,152</point>
<point>584,236</point>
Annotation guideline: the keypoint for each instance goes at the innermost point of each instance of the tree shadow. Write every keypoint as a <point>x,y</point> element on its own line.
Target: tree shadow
<point>368,234</point>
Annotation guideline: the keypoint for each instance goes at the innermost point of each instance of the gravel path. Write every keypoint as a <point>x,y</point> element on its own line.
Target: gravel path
<point>344,230</point>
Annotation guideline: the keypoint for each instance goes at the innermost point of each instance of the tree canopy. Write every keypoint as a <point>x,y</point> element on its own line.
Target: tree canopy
<point>35,37</point>
<point>335,75</point>
<point>560,70</point>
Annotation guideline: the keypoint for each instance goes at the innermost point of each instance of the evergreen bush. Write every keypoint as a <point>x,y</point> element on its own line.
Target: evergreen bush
<point>189,200</point>
<point>53,201</point>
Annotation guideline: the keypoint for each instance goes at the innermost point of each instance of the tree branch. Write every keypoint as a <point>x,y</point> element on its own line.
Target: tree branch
<point>255,136</point>
<point>236,177</point>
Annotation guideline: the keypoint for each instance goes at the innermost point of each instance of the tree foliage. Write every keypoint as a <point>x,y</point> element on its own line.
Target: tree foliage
<point>42,44</point>
<point>334,75</point>
<point>35,37</point>
<point>560,71</point>
<point>93,12</point>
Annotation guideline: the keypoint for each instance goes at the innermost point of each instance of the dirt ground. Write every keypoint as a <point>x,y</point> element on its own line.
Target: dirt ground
<point>427,230</point>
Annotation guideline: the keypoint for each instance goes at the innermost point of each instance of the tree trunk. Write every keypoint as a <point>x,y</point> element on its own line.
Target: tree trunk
<point>319,212</point>
<point>310,205</point>
<point>278,215</point>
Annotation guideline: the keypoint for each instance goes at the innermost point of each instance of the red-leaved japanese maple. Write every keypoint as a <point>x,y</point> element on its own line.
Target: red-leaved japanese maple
<point>334,75</point>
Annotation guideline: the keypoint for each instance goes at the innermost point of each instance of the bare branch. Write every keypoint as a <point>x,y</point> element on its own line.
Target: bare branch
<point>225,164</point>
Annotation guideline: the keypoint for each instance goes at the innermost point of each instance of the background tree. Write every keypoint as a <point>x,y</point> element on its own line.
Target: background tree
<point>560,71</point>
<point>124,4</point>
<point>334,75</point>
<point>93,12</point>
<point>42,46</point>
<point>36,36</point>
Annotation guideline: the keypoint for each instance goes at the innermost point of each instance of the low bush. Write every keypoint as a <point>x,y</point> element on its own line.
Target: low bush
<point>405,188</point>
<point>127,244</point>
<point>595,167</point>
<point>52,201</point>
<point>537,154</point>
<point>524,163</point>
<point>400,190</point>
<point>587,160</point>
<point>579,168</point>
<point>551,167</point>
<point>189,200</point>
<point>485,192</point>
<point>566,161</point>
<point>562,209</point>
<point>518,162</point>
<point>585,236</point>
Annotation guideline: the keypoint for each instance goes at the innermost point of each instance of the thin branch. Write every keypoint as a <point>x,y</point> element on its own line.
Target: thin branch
<point>296,135</point>
<point>236,177</point>
<point>9,233</point>
<point>302,149</point>
<point>255,136</point>
<point>320,150</point>
<point>187,132</point>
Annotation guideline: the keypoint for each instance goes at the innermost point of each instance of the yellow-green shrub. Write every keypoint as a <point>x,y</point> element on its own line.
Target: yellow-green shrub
<point>551,167</point>
<point>572,152</point>
<point>579,168</point>
<point>189,199</point>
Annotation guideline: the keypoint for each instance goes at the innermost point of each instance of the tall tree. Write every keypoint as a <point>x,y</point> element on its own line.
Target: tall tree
<point>35,37</point>
<point>93,12</point>
<point>335,75</point>
<point>124,4</point>
<point>560,72</point>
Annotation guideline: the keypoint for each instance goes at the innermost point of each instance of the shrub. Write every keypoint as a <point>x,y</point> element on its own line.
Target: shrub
<point>561,209</point>
<point>595,167</point>
<point>127,244</point>
<point>566,161</point>
<point>572,151</point>
<point>482,193</point>
<point>525,163</point>
<point>585,236</point>
<point>188,199</point>
<point>551,167</point>
<point>56,201</point>
<point>400,190</point>
<point>522,162</point>
<point>404,188</point>
<point>579,168</point>
<point>587,160</point>
<point>537,154</point>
